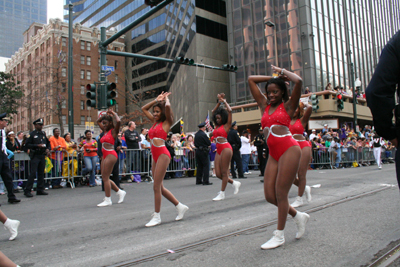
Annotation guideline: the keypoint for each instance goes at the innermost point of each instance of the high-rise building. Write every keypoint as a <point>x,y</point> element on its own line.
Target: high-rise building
<point>190,28</point>
<point>41,66</point>
<point>77,9</point>
<point>317,39</point>
<point>15,17</point>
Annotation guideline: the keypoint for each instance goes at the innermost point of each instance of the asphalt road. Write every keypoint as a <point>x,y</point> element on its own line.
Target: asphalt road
<point>66,228</point>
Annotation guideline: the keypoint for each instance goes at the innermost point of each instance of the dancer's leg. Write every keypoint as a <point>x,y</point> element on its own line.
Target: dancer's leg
<point>303,167</point>
<point>107,167</point>
<point>159,170</point>
<point>225,159</point>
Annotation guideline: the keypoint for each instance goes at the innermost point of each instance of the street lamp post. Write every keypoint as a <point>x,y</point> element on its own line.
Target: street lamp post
<point>272,25</point>
<point>357,84</point>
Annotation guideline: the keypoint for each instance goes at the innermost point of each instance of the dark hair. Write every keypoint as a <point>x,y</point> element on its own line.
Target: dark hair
<point>161,106</point>
<point>187,137</point>
<point>224,116</point>
<point>54,130</point>
<point>142,130</point>
<point>281,85</point>
<point>245,132</point>
<point>87,131</point>
<point>65,135</point>
<point>107,117</point>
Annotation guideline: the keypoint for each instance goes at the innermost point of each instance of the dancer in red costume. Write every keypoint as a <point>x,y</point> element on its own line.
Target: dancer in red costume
<point>223,120</point>
<point>296,127</point>
<point>109,124</point>
<point>277,111</point>
<point>162,118</point>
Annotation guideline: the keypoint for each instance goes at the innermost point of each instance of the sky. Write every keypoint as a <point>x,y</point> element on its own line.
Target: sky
<point>54,10</point>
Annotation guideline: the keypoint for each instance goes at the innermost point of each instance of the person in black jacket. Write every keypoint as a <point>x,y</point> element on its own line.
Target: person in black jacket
<point>5,171</point>
<point>380,95</point>
<point>202,144</point>
<point>39,147</point>
<point>259,142</point>
<point>236,143</point>
<point>132,139</point>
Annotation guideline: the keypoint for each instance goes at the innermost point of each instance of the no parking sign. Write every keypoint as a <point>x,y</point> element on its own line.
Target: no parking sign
<point>101,113</point>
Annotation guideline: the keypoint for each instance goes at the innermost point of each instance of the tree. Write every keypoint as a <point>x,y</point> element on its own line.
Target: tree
<point>137,116</point>
<point>10,93</point>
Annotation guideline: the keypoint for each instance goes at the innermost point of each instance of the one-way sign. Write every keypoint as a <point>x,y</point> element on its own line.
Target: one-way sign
<point>107,68</point>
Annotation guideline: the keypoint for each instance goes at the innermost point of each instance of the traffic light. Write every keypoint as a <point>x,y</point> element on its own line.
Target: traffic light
<point>339,102</point>
<point>185,61</point>
<point>91,95</point>
<point>152,2</point>
<point>229,67</point>
<point>314,103</point>
<point>111,94</point>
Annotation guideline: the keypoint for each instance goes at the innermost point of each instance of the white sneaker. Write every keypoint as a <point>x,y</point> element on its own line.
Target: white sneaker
<point>380,167</point>
<point>181,211</point>
<point>301,220</point>
<point>214,175</point>
<point>106,202</point>
<point>12,227</point>
<point>307,191</point>
<point>121,194</point>
<point>236,186</point>
<point>155,220</point>
<point>220,196</point>
<point>298,202</point>
<point>277,240</point>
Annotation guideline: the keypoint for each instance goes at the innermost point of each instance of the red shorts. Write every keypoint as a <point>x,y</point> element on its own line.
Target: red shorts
<point>278,145</point>
<point>158,151</point>
<point>221,147</point>
<point>108,152</point>
<point>304,144</point>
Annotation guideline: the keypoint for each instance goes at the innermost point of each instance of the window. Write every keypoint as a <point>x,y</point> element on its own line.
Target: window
<point>82,60</point>
<point>82,89</point>
<point>82,74</point>
<point>63,103</point>
<point>116,78</point>
<point>64,87</point>
<point>82,45</point>
<point>88,74</point>
<point>88,46</point>
<point>64,72</point>
<point>82,120</point>
<point>64,119</point>
<point>64,41</point>
<point>116,65</point>
<point>82,105</point>
<point>88,61</point>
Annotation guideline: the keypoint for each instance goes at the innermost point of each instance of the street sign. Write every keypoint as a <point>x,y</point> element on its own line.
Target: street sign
<point>108,72</point>
<point>101,113</point>
<point>107,68</point>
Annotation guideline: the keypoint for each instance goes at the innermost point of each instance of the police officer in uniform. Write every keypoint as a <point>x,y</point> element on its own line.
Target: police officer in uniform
<point>5,171</point>
<point>259,141</point>
<point>39,147</point>
<point>236,143</point>
<point>202,144</point>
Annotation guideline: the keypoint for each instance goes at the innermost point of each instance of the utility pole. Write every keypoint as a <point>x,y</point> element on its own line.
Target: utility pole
<point>103,62</point>
<point>70,76</point>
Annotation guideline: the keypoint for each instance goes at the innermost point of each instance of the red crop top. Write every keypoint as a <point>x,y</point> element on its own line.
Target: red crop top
<point>278,117</point>
<point>157,131</point>
<point>296,128</point>
<point>108,138</point>
<point>220,132</point>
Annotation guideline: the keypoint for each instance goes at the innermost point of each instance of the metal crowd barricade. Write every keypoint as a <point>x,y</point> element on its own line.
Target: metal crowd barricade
<point>349,155</point>
<point>183,163</point>
<point>321,158</point>
<point>135,162</point>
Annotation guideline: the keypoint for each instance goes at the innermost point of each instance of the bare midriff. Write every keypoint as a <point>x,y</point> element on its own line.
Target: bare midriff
<point>276,130</point>
<point>221,140</point>
<point>108,146</point>
<point>158,142</point>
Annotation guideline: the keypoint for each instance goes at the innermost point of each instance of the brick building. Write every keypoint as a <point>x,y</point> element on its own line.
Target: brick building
<point>41,66</point>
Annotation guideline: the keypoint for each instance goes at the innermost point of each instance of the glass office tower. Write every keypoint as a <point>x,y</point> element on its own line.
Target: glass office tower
<point>317,39</point>
<point>15,18</point>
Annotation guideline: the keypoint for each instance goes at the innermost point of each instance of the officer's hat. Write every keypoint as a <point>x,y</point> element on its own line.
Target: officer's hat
<point>201,125</point>
<point>233,123</point>
<point>38,121</point>
<point>3,116</point>
<point>260,129</point>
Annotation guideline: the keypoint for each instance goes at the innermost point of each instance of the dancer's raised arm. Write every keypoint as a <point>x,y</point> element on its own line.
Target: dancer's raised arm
<point>116,122</point>
<point>306,117</point>
<point>149,105</point>
<point>168,111</point>
<point>221,98</point>
<point>260,98</point>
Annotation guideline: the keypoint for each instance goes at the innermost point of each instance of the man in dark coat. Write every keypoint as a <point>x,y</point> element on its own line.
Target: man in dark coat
<point>236,143</point>
<point>380,95</point>
<point>39,147</point>
<point>5,170</point>
<point>259,142</point>
<point>202,144</point>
